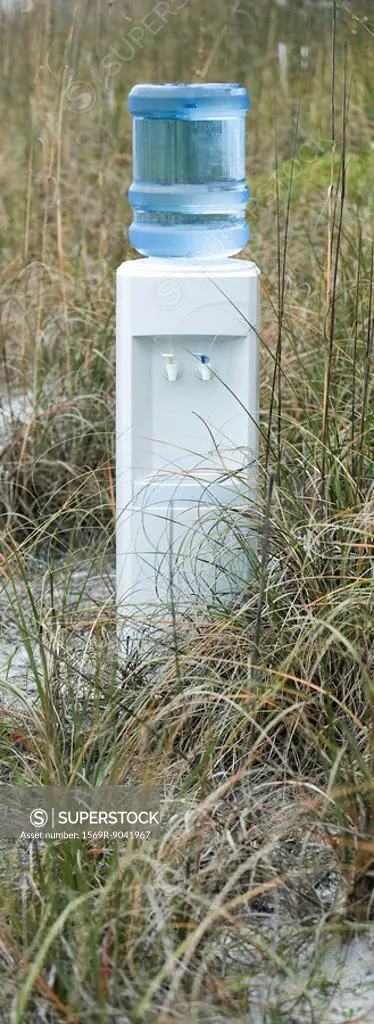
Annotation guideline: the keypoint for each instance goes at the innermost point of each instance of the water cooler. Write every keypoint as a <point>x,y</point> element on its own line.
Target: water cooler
<point>187,354</point>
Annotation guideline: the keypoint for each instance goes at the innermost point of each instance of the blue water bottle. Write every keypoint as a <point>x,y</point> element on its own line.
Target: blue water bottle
<point>189,193</point>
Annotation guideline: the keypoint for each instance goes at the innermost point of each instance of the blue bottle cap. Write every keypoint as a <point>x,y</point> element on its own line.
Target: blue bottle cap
<point>189,102</point>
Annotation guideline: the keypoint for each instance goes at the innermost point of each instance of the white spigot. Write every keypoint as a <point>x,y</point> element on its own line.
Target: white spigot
<point>172,369</point>
<point>204,368</point>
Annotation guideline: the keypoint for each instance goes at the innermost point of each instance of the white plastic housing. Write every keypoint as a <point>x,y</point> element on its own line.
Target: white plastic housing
<point>187,442</point>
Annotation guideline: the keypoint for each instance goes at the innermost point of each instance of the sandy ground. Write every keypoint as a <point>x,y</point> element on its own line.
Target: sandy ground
<point>341,989</point>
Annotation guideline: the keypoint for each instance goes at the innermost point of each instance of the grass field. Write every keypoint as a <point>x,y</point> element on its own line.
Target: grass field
<point>259,727</point>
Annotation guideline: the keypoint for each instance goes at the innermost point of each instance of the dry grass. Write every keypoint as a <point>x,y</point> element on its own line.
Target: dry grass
<point>258,722</point>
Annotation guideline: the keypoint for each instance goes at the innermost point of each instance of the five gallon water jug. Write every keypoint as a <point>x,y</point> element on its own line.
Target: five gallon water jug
<point>189,193</point>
